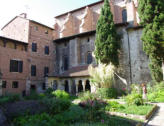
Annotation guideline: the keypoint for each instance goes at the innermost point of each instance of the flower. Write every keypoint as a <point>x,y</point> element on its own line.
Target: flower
<point>102,121</point>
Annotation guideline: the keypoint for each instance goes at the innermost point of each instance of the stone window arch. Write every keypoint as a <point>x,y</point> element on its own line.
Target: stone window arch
<point>89,57</point>
<point>124,15</point>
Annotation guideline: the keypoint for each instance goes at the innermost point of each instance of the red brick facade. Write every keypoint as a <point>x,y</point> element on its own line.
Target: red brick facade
<point>28,32</point>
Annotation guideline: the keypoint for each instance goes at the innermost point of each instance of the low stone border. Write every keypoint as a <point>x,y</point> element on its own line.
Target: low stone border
<point>145,117</point>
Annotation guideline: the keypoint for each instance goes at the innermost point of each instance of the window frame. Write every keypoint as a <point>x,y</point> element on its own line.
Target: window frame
<point>46,50</point>
<point>4,84</point>
<point>33,70</point>
<point>16,65</point>
<point>15,86</point>
<point>34,47</point>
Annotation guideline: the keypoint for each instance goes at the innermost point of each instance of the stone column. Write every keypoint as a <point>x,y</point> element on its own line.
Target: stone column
<point>83,83</point>
<point>28,86</point>
<point>70,85</point>
<point>76,83</point>
<point>46,82</point>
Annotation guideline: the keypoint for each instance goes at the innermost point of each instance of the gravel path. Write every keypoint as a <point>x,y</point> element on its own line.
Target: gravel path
<point>158,118</point>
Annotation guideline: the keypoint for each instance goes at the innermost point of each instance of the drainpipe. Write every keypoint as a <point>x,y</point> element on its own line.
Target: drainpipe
<point>129,57</point>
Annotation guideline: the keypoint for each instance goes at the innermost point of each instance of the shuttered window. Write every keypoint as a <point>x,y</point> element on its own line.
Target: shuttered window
<point>15,84</point>
<point>47,50</point>
<point>33,70</point>
<point>46,71</point>
<point>124,15</point>
<point>34,47</point>
<point>16,66</point>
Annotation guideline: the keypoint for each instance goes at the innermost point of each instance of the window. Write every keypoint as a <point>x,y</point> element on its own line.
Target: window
<point>4,84</point>
<point>16,66</point>
<point>124,16</point>
<point>46,71</point>
<point>34,47</point>
<point>89,58</point>
<point>36,28</point>
<point>46,31</point>
<point>47,50</point>
<point>15,84</point>
<point>44,86</point>
<point>65,63</point>
<point>33,70</point>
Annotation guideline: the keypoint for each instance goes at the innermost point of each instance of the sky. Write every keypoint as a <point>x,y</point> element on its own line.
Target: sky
<point>42,11</point>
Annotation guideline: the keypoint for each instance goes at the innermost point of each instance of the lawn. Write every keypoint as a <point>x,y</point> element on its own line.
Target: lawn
<point>136,110</point>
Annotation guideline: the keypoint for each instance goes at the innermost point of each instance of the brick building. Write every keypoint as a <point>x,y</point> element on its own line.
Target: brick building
<point>38,59</point>
<point>74,36</point>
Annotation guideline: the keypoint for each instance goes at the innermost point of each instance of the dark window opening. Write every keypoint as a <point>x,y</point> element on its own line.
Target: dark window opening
<point>23,93</point>
<point>124,15</point>
<point>66,86</point>
<point>34,47</point>
<point>33,70</point>
<point>46,50</point>
<point>65,63</point>
<point>88,40</point>
<point>16,66</point>
<point>87,86</point>
<point>4,83</point>
<point>89,58</point>
<point>55,85</point>
<point>65,44</point>
<point>15,84</point>
<point>46,71</point>
<point>80,86</point>
<point>44,86</point>
<point>46,31</point>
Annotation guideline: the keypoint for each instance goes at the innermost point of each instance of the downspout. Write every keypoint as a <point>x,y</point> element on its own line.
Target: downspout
<point>129,58</point>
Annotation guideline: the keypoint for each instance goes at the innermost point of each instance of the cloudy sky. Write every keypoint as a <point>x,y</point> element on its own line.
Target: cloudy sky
<point>42,11</point>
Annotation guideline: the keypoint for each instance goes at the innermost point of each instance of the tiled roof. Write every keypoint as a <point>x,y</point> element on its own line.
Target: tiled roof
<point>79,71</point>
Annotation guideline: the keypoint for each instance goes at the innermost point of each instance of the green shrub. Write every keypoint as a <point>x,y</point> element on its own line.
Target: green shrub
<point>9,98</point>
<point>55,106</point>
<point>107,93</point>
<point>84,96</point>
<point>61,94</point>
<point>134,99</point>
<point>33,96</point>
<point>113,105</point>
<point>48,92</point>
<point>36,120</point>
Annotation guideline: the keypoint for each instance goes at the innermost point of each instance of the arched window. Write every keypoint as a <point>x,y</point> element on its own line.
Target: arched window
<point>89,58</point>
<point>87,86</point>
<point>65,63</point>
<point>80,86</point>
<point>66,86</point>
<point>124,15</point>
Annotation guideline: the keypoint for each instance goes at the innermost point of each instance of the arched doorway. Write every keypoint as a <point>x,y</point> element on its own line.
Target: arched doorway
<point>66,86</point>
<point>80,86</point>
<point>87,86</point>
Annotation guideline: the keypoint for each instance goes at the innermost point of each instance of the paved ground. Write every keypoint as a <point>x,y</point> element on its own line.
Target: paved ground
<point>158,118</point>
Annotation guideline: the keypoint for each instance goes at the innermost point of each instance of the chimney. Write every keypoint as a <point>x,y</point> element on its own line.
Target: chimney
<point>23,15</point>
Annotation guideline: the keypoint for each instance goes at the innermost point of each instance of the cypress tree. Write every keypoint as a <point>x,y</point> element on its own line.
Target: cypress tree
<point>152,18</point>
<point>107,41</point>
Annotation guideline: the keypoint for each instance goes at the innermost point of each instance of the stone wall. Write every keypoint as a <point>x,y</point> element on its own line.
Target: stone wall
<point>133,61</point>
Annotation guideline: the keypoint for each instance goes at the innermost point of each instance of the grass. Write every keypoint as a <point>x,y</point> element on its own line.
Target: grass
<point>136,110</point>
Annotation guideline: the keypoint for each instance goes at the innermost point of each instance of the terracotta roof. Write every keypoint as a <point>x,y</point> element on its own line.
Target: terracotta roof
<point>28,20</point>
<point>79,71</point>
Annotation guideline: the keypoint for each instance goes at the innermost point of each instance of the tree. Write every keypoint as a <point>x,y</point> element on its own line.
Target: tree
<point>152,19</point>
<point>107,40</point>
